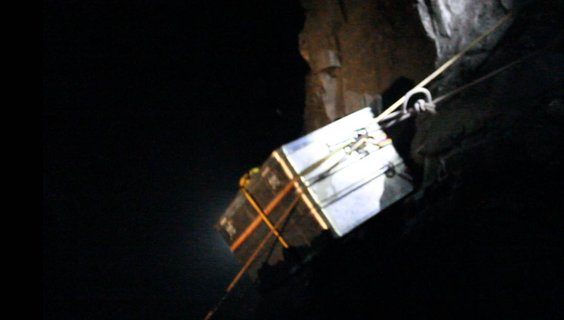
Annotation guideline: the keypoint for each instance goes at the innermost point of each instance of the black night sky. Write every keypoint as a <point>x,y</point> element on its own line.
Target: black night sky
<point>152,111</point>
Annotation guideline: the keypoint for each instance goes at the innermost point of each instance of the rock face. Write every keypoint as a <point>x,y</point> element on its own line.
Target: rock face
<point>356,50</point>
<point>453,24</point>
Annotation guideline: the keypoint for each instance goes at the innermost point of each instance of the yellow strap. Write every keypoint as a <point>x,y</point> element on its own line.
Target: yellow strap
<point>243,183</point>
<point>261,245</point>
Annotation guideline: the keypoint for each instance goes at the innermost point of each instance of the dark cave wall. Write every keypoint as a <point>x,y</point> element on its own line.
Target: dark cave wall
<point>453,24</point>
<point>355,50</point>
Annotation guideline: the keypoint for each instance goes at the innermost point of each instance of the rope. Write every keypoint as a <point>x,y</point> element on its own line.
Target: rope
<point>485,77</point>
<point>445,66</point>
<point>430,105</point>
<point>421,84</point>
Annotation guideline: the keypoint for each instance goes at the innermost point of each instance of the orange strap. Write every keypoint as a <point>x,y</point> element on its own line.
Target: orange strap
<point>256,223</point>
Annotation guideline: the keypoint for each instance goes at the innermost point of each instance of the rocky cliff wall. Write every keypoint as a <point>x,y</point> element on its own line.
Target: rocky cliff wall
<point>355,51</point>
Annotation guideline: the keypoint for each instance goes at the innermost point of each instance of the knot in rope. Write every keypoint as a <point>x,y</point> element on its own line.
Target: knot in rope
<point>420,105</point>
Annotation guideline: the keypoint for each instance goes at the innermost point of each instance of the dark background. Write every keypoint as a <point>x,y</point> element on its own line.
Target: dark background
<point>152,111</point>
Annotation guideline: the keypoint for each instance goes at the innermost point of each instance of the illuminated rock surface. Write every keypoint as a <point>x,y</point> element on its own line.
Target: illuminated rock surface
<point>356,50</point>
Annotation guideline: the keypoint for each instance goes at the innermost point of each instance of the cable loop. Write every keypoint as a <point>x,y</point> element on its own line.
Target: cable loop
<point>420,105</point>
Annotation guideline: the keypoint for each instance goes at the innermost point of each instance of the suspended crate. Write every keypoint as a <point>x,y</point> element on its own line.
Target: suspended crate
<point>334,179</point>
